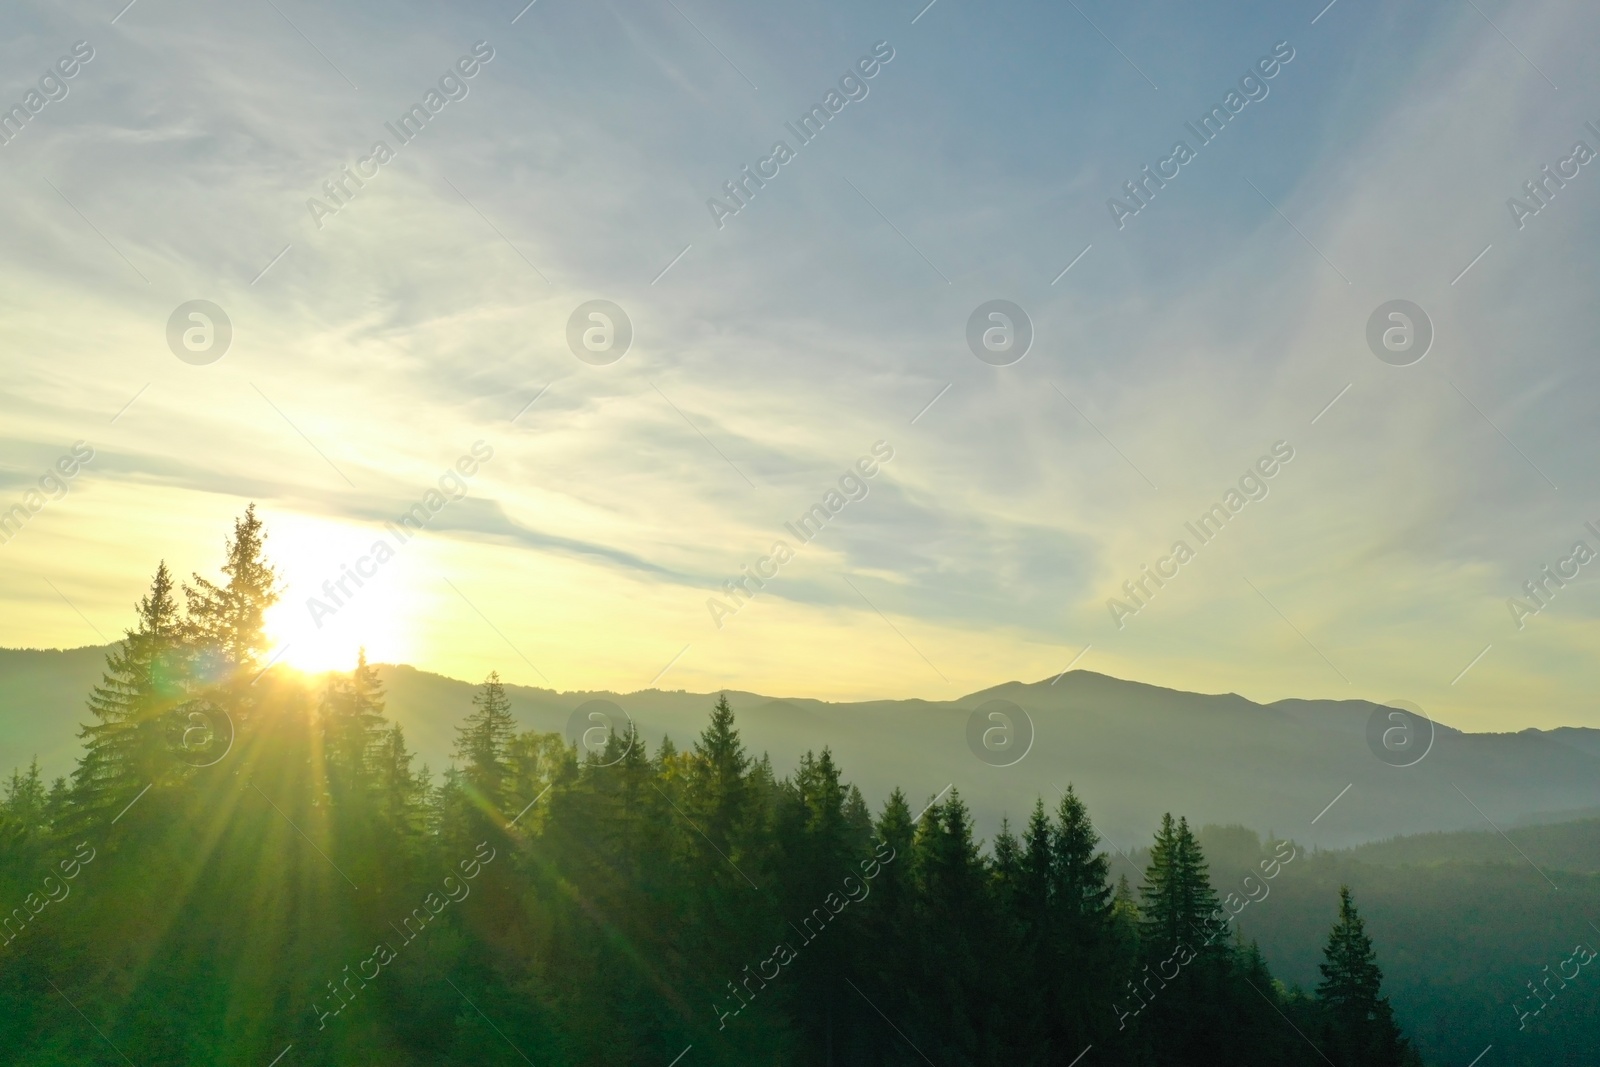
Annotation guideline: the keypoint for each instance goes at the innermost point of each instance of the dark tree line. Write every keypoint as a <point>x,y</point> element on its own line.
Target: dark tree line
<point>272,875</point>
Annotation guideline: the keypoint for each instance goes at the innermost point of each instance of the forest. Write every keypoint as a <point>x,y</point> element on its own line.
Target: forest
<point>247,866</point>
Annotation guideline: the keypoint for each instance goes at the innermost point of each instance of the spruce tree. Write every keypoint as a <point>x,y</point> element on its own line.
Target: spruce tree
<point>1079,941</point>
<point>814,843</point>
<point>1177,904</point>
<point>354,726</point>
<point>1184,962</point>
<point>1006,866</point>
<point>537,761</point>
<point>401,791</point>
<point>889,866</point>
<point>1079,873</point>
<point>1161,917</point>
<point>954,898</point>
<point>24,803</point>
<point>1199,905</point>
<point>1125,917</point>
<point>637,805</point>
<point>717,782</point>
<point>227,622</point>
<point>1359,1028</point>
<point>1123,903</point>
<point>128,746</point>
<point>1037,867</point>
<point>483,741</point>
<point>1024,936</point>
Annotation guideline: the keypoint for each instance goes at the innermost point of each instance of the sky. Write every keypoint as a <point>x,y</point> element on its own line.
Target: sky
<point>380,334</point>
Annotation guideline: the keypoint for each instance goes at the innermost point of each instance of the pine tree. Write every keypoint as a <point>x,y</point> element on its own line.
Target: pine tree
<point>1201,908</point>
<point>1178,905</point>
<point>402,793</point>
<point>227,622</point>
<point>1161,918</point>
<point>1125,913</point>
<point>354,726</point>
<point>893,833</point>
<point>1037,868</point>
<point>1006,866</point>
<point>954,898</point>
<point>1079,943</point>
<point>127,747</point>
<point>24,803</point>
<point>1359,1028</point>
<point>483,741</point>
<point>1025,935</point>
<point>1079,873</point>
<point>1185,965</point>
<point>717,783</point>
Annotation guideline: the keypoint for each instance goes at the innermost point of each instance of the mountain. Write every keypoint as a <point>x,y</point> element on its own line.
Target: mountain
<point>42,704</point>
<point>1133,750</point>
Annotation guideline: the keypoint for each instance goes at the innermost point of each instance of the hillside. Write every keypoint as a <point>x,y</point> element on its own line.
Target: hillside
<point>1463,922</point>
<point>42,694</point>
<point>1133,750</point>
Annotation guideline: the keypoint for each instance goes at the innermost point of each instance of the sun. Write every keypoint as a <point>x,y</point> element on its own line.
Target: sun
<point>323,619</point>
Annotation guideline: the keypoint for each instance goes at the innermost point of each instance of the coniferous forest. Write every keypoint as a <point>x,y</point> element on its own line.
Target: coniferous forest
<point>249,868</point>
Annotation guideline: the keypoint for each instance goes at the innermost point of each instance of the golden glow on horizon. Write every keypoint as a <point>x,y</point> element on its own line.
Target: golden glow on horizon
<point>587,625</point>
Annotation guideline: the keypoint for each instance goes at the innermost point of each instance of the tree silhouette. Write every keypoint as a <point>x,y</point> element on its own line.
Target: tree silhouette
<point>226,623</point>
<point>128,746</point>
<point>1359,1028</point>
<point>483,741</point>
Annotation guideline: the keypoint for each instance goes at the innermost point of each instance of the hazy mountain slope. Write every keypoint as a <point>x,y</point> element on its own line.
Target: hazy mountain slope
<point>1462,924</point>
<point>1133,750</point>
<point>42,704</point>
<point>1569,846</point>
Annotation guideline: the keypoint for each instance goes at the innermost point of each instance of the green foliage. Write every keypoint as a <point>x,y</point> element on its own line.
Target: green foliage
<point>1358,1027</point>
<point>146,678</point>
<point>484,741</point>
<point>226,622</point>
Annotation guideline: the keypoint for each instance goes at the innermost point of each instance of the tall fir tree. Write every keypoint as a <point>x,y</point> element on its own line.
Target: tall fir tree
<point>1359,1029</point>
<point>1079,872</point>
<point>483,741</point>
<point>1178,907</point>
<point>1079,939</point>
<point>129,745</point>
<point>227,623</point>
<point>718,777</point>
<point>1201,907</point>
<point>1185,962</point>
<point>402,791</point>
<point>954,897</point>
<point>353,727</point>
<point>24,804</point>
<point>1161,918</point>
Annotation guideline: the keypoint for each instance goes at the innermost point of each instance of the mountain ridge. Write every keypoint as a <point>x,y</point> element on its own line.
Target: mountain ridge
<point>1134,750</point>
